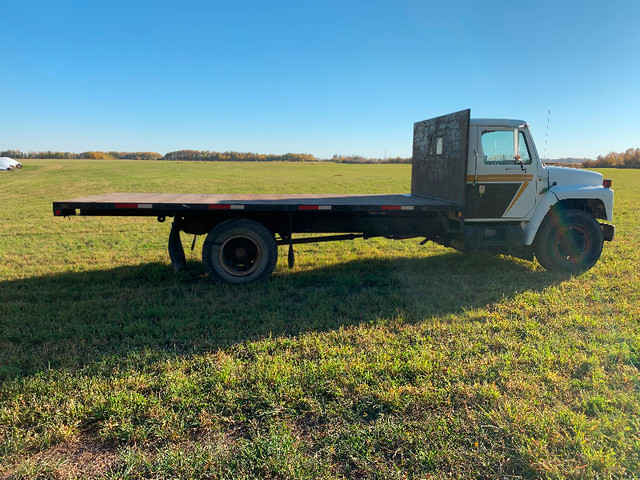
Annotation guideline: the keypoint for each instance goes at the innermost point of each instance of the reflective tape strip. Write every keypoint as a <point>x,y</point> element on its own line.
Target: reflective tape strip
<point>314,207</point>
<point>220,206</point>
<point>133,205</point>
<point>397,207</point>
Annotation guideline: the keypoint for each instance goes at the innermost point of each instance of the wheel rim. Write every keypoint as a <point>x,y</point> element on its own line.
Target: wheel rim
<point>240,256</point>
<point>572,244</point>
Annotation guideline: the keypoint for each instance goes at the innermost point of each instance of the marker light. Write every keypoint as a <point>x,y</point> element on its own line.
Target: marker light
<point>606,183</point>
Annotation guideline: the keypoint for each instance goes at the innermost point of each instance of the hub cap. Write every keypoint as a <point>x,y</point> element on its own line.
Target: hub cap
<point>240,256</point>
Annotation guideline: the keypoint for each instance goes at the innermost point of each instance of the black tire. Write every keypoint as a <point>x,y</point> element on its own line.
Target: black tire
<point>569,241</point>
<point>240,251</point>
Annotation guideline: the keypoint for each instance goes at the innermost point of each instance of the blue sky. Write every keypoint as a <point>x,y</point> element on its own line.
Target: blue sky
<point>321,77</point>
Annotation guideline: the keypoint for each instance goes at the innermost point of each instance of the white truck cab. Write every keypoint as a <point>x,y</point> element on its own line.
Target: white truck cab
<point>556,207</point>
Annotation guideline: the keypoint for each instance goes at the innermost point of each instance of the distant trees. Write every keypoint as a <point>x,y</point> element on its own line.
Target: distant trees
<point>99,156</point>
<point>90,154</point>
<point>198,156</point>
<point>359,159</point>
<point>210,156</point>
<point>125,155</point>
<point>48,154</point>
<point>628,159</point>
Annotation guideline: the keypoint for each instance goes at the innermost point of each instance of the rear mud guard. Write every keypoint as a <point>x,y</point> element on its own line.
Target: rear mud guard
<point>176,252</point>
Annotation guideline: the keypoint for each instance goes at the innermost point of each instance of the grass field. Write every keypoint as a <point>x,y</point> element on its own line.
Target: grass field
<point>370,359</point>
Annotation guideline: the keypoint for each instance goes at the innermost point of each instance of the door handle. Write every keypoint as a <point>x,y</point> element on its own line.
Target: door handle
<point>475,176</point>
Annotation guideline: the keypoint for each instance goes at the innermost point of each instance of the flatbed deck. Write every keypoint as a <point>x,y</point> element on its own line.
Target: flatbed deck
<point>152,204</point>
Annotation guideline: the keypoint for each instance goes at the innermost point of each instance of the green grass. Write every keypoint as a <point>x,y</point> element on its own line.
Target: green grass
<point>370,359</point>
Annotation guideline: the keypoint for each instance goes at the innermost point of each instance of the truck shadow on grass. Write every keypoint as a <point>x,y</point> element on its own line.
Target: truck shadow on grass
<point>75,319</point>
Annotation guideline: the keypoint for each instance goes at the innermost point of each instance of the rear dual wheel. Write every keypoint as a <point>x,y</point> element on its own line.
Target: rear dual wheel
<point>240,251</point>
<point>569,241</point>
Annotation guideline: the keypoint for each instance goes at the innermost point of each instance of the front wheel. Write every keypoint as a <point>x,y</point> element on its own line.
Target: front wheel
<point>240,251</point>
<point>569,241</point>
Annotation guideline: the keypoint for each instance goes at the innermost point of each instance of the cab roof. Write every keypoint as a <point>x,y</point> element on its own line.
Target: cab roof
<point>498,122</point>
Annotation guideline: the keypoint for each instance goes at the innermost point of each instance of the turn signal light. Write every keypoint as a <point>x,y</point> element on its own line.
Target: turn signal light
<point>606,183</point>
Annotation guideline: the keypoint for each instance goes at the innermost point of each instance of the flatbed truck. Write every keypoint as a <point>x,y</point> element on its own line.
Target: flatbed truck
<point>477,185</point>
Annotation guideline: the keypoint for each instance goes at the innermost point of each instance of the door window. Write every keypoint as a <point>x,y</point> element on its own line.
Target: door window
<point>523,148</point>
<point>497,148</point>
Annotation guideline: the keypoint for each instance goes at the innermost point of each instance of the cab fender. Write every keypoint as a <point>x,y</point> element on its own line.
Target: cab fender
<point>574,197</point>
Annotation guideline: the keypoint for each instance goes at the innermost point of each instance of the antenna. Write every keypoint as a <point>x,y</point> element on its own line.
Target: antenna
<point>546,136</point>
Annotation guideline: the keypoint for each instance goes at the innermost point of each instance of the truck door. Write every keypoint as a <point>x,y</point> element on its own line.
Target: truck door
<point>503,183</point>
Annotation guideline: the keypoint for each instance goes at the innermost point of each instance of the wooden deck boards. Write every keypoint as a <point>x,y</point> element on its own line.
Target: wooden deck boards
<point>261,199</point>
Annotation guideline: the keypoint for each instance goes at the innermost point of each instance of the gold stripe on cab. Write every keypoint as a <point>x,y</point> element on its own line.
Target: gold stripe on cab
<point>524,181</point>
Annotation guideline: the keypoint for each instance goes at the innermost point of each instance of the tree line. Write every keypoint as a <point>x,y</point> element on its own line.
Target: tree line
<point>628,159</point>
<point>210,156</point>
<point>97,155</point>
<point>197,156</point>
<point>359,159</point>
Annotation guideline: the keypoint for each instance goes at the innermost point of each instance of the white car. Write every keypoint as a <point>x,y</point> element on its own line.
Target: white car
<point>7,163</point>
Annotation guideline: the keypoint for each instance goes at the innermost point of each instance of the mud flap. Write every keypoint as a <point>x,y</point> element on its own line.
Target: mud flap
<point>608,231</point>
<point>176,252</point>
